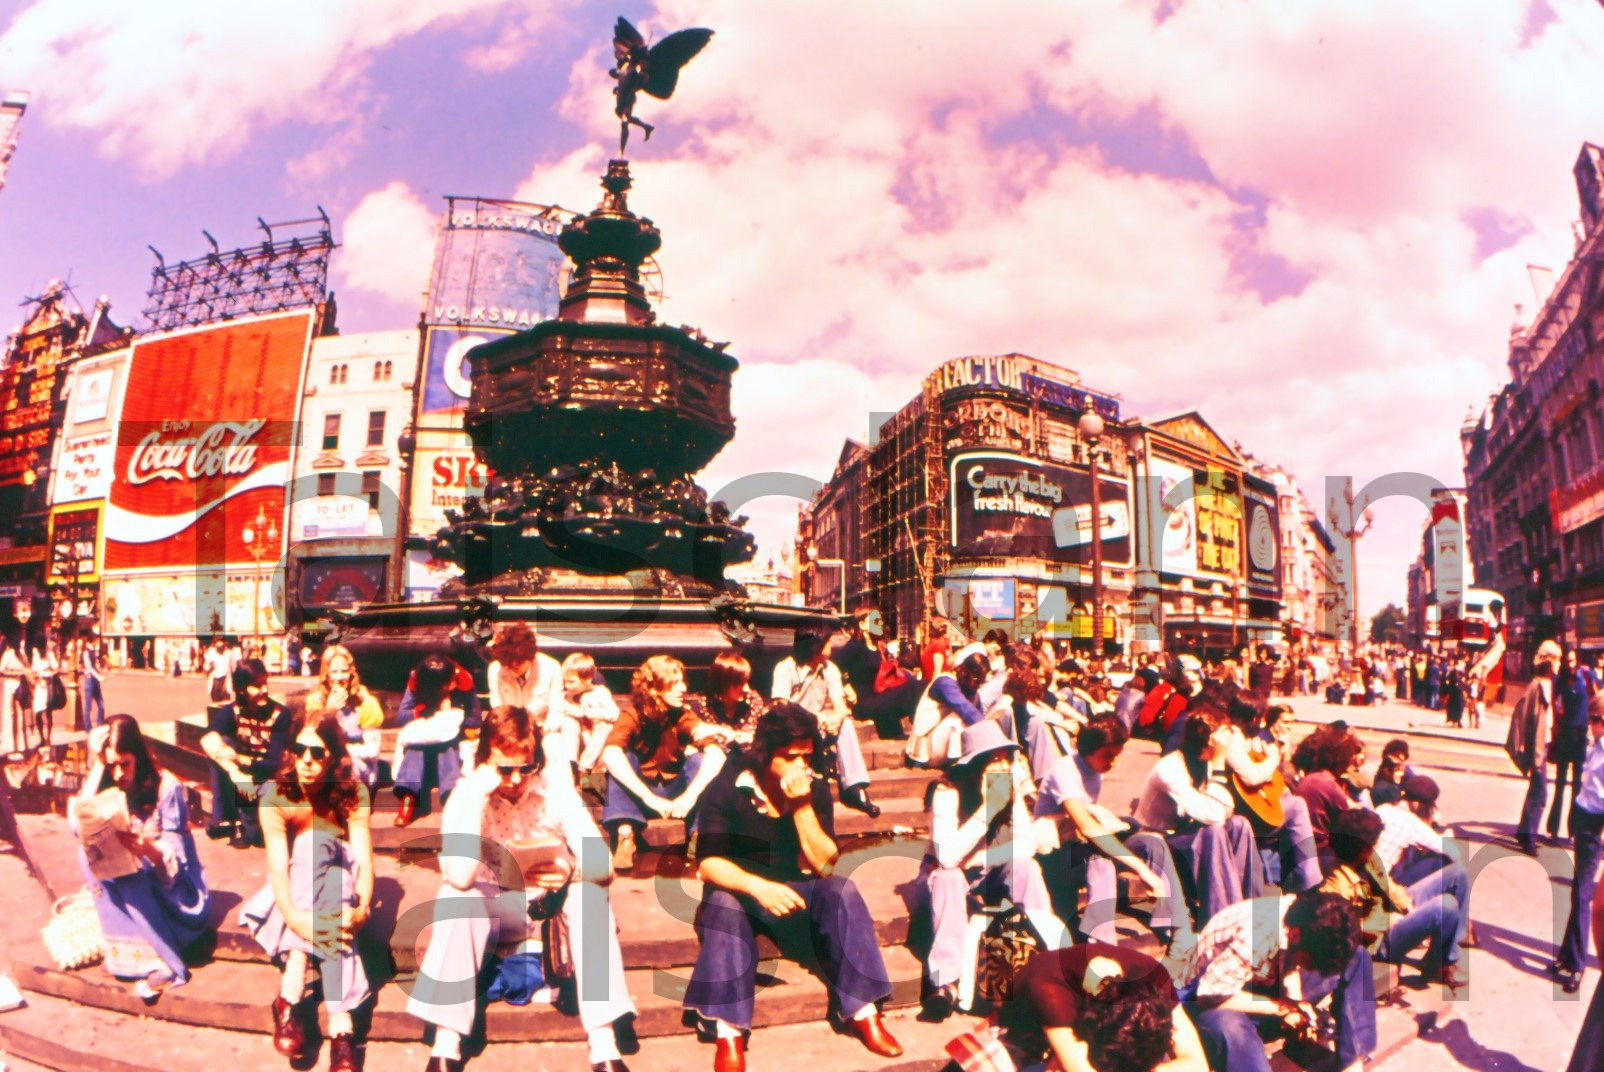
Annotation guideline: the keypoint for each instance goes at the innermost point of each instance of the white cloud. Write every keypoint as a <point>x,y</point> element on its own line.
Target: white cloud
<point>388,245</point>
<point>180,82</point>
<point>843,187</point>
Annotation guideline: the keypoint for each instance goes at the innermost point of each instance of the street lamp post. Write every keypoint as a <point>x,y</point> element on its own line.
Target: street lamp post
<point>258,549</point>
<point>1091,428</point>
<point>1351,530</point>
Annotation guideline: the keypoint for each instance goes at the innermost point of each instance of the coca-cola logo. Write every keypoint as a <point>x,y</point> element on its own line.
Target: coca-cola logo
<point>223,449</point>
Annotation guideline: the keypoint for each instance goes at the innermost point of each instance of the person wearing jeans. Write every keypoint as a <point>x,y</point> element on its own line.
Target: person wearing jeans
<point>1530,725</point>
<point>1573,687</point>
<point>1587,827</point>
<point>1393,920</point>
<point>514,832</point>
<point>660,756</point>
<point>1093,840</point>
<point>94,699</point>
<point>767,866</point>
<point>1275,957</point>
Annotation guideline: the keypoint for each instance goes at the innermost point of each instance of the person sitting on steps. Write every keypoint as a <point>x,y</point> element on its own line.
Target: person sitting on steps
<point>768,857</point>
<point>659,757</point>
<point>439,704</point>
<point>245,740</point>
<point>513,834</point>
<point>319,893</point>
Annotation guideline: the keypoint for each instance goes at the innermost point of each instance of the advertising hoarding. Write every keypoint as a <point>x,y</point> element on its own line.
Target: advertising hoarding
<point>1263,542</point>
<point>496,265</point>
<point>497,270</point>
<point>446,385</point>
<point>84,468</point>
<point>1179,527</point>
<point>203,447</point>
<point>92,395</point>
<point>192,603</point>
<point>443,479</point>
<point>342,582</point>
<point>329,517</point>
<point>1005,505</point>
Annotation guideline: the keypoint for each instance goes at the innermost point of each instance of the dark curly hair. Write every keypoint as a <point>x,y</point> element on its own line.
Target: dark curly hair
<point>337,791</point>
<point>1126,1030</point>
<point>1328,930</point>
<point>515,643</point>
<point>777,727</point>
<point>1354,834</point>
<point>1330,748</point>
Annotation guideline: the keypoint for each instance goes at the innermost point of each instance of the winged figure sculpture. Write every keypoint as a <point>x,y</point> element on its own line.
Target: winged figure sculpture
<point>652,69</point>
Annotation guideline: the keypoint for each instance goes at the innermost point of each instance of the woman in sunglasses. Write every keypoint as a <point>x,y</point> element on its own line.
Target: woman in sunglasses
<point>319,885</point>
<point>513,832</point>
<point>152,915</point>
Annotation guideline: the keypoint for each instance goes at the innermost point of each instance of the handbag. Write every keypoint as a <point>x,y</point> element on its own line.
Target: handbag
<point>73,937</point>
<point>1009,942</point>
<point>56,699</point>
<point>890,676</point>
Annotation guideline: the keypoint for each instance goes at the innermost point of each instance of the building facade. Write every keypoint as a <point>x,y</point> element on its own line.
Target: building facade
<point>974,503</point>
<point>1534,457</point>
<point>345,501</point>
<point>34,370</point>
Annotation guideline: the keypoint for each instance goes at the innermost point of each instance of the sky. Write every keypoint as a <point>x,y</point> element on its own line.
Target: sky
<point>1312,222</point>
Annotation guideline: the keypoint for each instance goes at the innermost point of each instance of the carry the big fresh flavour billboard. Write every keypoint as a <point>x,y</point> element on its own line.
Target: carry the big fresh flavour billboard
<point>208,422</point>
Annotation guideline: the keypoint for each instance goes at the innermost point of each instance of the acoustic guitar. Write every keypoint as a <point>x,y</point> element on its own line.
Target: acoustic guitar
<point>1261,804</point>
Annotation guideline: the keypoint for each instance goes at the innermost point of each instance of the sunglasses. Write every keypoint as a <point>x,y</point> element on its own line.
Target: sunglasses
<point>525,769</point>
<point>316,751</point>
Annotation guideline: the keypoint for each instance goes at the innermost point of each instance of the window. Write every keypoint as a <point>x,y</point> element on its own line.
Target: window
<point>389,367</point>
<point>325,483</point>
<point>370,488</point>
<point>331,431</point>
<point>382,370</point>
<point>337,373</point>
<point>376,428</point>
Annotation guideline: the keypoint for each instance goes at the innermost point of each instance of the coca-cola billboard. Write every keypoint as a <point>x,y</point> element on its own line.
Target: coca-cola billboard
<point>203,447</point>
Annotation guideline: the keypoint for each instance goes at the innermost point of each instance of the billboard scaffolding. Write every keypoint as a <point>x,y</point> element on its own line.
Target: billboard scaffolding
<point>289,269</point>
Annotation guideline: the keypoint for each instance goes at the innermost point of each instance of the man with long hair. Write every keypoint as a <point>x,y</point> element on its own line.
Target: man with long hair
<point>516,837</point>
<point>768,854</point>
<point>1273,957</point>
<point>245,740</point>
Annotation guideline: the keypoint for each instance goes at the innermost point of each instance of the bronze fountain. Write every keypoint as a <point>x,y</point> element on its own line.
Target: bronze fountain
<point>594,424</point>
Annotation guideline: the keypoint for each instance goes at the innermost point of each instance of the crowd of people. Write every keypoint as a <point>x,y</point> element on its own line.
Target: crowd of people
<point>1278,864</point>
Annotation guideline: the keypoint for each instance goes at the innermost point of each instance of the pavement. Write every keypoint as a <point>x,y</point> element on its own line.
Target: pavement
<point>1511,1017</point>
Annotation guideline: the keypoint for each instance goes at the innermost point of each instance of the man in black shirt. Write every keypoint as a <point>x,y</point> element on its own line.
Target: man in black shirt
<point>767,850</point>
<point>244,740</point>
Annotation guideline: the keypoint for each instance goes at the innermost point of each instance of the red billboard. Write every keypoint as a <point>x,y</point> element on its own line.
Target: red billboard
<point>203,449</point>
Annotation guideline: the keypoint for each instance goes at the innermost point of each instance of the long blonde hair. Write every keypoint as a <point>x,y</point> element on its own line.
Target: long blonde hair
<point>317,699</point>
<point>652,681</point>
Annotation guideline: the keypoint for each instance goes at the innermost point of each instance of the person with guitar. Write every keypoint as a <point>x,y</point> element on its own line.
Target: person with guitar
<point>1280,820</point>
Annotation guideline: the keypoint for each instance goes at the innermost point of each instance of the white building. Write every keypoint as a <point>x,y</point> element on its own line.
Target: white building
<point>348,472</point>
